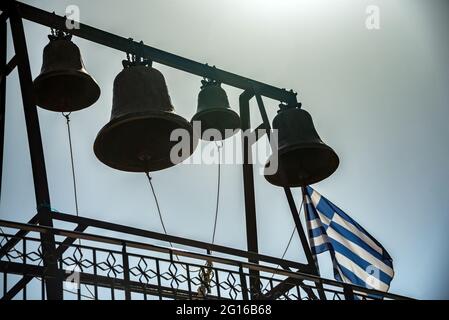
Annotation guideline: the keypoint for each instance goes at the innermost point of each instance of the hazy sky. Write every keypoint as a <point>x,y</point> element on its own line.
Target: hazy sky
<point>378,97</point>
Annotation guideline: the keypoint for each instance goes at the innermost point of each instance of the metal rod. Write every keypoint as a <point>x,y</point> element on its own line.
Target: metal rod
<point>319,285</point>
<point>291,203</point>
<point>298,224</point>
<point>125,260</point>
<point>16,239</point>
<point>54,285</point>
<point>287,190</point>
<point>243,284</point>
<point>183,241</point>
<point>134,47</point>
<point>3,44</point>
<point>9,67</point>
<point>248,187</point>
<point>150,247</point>
<point>88,278</point>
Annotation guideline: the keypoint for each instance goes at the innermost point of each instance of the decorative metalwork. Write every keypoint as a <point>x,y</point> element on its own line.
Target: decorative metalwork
<point>143,271</point>
<point>36,256</point>
<point>173,276</point>
<point>77,261</point>
<point>231,286</point>
<point>111,266</point>
<point>159,275</point>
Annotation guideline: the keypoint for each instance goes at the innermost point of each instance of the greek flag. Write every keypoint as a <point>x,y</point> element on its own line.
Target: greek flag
<point>357,257</point>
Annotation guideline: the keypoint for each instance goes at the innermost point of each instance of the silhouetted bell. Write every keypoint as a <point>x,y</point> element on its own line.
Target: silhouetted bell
<point>214,111</point>
<point>303,158</point>
<point>64,84</point>
<point>137,139</point>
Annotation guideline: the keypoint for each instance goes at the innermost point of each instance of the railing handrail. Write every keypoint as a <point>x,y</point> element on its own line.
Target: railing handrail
<point>179,240</point>
<point>139,245</point>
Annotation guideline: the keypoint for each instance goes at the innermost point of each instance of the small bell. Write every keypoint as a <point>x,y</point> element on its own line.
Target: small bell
<point>64,84</point>
<point>303,158</point>
<point>214,112</point>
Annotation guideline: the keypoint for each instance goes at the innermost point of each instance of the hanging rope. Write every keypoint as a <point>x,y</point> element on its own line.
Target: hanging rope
<point>157,204</point>
<point>67,117</point>
<point>219,146</point>
<point>161,217</point>
<point>72,162</point>
<point>286,248</point>
<point>206,274</point>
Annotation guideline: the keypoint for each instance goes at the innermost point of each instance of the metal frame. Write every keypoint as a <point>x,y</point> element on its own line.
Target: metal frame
<point>125,265</point>
<point>52,251</point>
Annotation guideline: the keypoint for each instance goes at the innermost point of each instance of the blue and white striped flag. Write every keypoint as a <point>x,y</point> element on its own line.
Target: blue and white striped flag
<point>357,257</point>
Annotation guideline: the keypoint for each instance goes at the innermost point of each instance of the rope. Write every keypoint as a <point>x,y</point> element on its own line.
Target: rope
<point>219,146</point>
<point>206,273</point>
<point>72,162</point>
<point>218,190</point>
<point>67,116</point>
<point>157,204</point>
<point>162,219</point>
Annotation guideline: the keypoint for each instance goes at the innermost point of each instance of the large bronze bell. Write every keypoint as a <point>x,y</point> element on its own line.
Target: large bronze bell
<point>303,158</point>
<point>64,84</point>
<point>214,112</point>
<point>137,138</point>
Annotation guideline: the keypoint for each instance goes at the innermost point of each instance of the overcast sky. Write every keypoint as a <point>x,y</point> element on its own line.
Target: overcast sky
<point>379,98</point>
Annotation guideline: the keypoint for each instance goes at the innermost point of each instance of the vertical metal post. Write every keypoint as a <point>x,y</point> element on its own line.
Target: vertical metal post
<point>3,43</point>
<point>243,284</point>
<point>320,288</point>
<point>348,292</point>
<point>299,229</point>
<point>126,280</point>
<point>291,203</point>
<point>53,280</point>
<point>288,192</point>
<point>248,186</point>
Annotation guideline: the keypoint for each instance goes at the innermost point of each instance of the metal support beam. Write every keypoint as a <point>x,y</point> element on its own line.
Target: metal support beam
<point>182,241</point>
<point>288,192</point>
<point>299,228</point>
<point>294,211</point>
<point>126,45</point>
<point>21,284</point>
<point>9,67</point>
<point>53,284</point>
<point>3,43</point>
<point>10,267</point>
<point>248,187</point>
<point>16,239</point>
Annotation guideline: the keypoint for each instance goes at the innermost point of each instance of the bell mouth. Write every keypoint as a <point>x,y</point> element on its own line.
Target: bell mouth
<point>219,119</point>
<point>302,165</point>
<point>140,142</point>
<point>65,91</point>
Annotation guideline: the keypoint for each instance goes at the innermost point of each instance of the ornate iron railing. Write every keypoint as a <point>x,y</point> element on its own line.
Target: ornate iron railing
<point>100,267</point>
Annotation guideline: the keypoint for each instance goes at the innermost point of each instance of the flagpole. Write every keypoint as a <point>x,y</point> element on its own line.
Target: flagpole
<point>306,213</point>
<point>320,288</point>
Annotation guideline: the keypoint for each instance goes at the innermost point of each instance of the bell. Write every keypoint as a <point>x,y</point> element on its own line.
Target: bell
<point>64,84</point>
<point>214,112</point>
<point>137,138</point>
<point>303,158</point>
